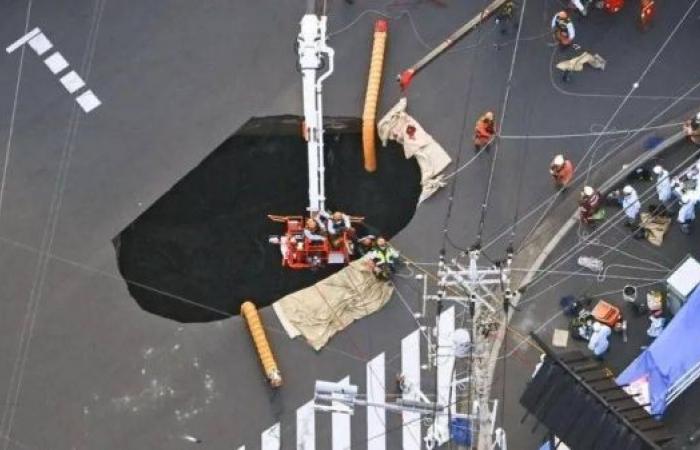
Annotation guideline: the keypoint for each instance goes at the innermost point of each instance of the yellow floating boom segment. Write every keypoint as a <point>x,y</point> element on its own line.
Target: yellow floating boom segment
<point>369,114</point>
<point>262,345</point>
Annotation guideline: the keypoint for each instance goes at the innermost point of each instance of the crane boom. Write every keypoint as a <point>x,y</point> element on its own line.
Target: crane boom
<point>311,50</point>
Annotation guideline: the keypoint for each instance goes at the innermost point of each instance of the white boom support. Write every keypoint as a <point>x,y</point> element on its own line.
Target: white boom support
<point>311,48</point>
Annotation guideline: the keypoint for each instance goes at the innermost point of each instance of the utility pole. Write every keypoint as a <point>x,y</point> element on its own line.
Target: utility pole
<point>483,290</point>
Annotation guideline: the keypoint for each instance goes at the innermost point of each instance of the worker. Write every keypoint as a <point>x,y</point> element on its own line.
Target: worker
<point>505,14</point>
<point>484,131</point>
<point>562,171</point>
<point>313,231</point>
<point>365,244</point>
<point>686,213</point>
<point>598,343</point>
<point>590,203</point>
<point>338,225</point>
<point>691,128</point>
<point>563,29</point>
<point>384,258</point>
<point>664,188</point>
<point>630,205</point>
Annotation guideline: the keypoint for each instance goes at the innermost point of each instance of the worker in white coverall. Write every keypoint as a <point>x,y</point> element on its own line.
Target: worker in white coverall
<point>686,214</point>
<point>630,204</point>
<point>598,343</point>
<point>664,187</point>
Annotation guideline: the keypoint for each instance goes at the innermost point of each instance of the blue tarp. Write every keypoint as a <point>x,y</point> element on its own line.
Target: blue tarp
<point>670,356</point>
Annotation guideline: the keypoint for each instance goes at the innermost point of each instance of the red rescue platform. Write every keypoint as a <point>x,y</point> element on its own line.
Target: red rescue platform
<point>299,252</point>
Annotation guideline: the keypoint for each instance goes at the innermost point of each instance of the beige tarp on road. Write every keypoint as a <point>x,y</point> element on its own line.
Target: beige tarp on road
<point>320,311</point>
<point>655,227</point>
<point>576,64</point>
<point>432,158</point>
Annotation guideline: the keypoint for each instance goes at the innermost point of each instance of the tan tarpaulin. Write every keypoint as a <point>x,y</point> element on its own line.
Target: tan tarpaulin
<point>320,311</point>
<point>432,158</point>
<point>576,64</point>
<point>655,227</point>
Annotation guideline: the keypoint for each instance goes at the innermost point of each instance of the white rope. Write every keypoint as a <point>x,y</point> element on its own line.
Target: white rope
<point>598,133</point>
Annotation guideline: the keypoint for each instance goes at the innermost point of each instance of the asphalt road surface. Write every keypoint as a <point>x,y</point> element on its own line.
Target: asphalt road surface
<point>81,365</point>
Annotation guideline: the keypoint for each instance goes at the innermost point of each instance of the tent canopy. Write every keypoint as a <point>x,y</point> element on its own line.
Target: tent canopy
<point>670,356</point>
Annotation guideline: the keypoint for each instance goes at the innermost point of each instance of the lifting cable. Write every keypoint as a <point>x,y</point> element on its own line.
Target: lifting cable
<point>499,124</point>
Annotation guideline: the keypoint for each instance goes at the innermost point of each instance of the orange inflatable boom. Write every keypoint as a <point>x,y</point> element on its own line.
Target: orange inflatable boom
<point>257,332</point>
<point>372,96</point>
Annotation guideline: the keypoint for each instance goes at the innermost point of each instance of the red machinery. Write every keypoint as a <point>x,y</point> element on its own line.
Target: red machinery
<point>299,252</point>
<point>647,10</point>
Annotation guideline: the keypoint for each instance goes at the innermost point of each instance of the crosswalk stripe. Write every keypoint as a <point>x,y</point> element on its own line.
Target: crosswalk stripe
<point>56,63</point>
<point>376,417</point>
<point>40,44</point>
<point>340,424</point>
<point>445,364</point>
<point>410,369</point>
<point>306,427</point>
<point>270,438</point>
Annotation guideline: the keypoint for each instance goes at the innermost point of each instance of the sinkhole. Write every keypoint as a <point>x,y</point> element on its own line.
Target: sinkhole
<point>202,249</point>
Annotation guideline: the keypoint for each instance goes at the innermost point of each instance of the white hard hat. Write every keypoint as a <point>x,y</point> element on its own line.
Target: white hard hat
<point>627,190</point>
<point>697,116</point>
<point>587,190</point>
<point>658,169</point>
<point>597,326</point>
<point>558,160</point>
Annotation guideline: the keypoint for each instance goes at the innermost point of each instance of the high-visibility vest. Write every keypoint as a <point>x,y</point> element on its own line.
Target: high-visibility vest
<point>386,255</point>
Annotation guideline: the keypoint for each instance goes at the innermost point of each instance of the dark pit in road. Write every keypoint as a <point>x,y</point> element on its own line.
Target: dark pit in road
<point>202,249</point>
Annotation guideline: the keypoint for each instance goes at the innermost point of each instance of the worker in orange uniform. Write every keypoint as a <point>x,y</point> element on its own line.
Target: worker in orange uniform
<point>484,131</point>
<point>647,12</point>
<point>562,171</point>
<point>563,29</point>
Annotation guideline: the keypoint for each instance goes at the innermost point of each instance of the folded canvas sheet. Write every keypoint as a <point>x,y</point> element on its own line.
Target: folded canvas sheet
<point>320,311</point>
<point>432,158</point>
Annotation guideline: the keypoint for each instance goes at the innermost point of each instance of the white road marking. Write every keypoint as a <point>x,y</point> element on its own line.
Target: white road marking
<point>270,438</point>
<point>88,101</point>
<point>72,81</point>
<point>445,365</point>
<point>376,417</point>
<point>340,425</point>
<point>306,427</point>
<point>56,62</point>
<point>410,369</point>
<point>23,40</point>
<point>40,44</point>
